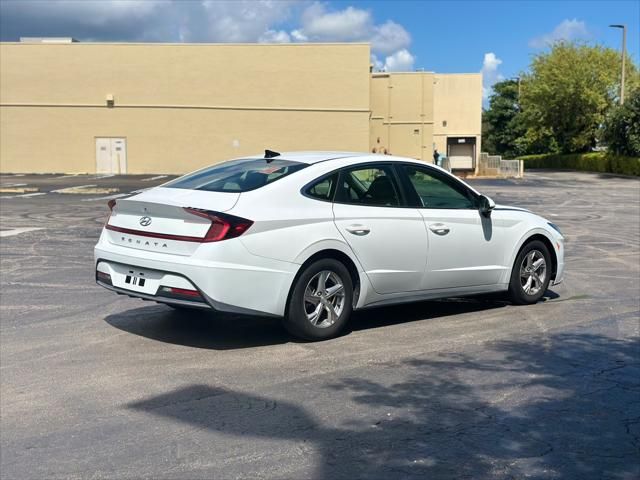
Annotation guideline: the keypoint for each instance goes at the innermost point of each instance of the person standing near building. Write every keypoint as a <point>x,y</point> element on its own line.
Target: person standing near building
<point>436,157</point>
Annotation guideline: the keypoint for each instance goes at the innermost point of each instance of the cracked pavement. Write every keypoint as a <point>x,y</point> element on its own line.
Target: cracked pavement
<point>94,385</point>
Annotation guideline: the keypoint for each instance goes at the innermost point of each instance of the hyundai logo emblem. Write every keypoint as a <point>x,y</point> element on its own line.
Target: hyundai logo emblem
<point>145,221</point>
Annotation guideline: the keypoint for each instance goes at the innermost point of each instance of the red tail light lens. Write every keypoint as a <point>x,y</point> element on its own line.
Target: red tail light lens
<point>223,226</point>
<point>111,204</point>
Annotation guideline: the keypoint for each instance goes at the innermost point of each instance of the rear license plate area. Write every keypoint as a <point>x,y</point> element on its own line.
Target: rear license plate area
<point>135,280</point>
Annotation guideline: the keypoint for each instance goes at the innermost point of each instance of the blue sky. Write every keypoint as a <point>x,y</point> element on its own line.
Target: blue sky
<point>496,37</point>
<point>505,28</point>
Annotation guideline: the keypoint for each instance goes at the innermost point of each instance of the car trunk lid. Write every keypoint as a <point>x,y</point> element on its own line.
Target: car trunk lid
<point>156,220</point>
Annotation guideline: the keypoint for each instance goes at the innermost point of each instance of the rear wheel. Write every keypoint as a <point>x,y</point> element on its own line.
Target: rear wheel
<point>531,273</point>
<point>321,301</point>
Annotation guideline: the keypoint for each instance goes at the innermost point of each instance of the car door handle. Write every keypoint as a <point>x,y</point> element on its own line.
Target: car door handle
<point>439,228</point>
<point>359,230</point>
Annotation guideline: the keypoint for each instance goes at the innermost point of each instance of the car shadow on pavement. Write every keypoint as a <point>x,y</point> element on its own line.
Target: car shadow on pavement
<point>219,331</point>
<point>200,329</point>
<point>553,406</point>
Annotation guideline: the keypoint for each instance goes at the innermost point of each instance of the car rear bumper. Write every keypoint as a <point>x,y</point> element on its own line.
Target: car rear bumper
<point>243,283</point>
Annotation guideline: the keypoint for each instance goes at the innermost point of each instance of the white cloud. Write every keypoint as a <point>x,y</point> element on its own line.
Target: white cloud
<point>298,36</point>
<point>390,37</point>
<point>275,36</point>
<point>567,30</point>
<point>243,20</point>
<point>378,65</point>
<point>350,25</point>
<point>490,73</point>
<point>400,61</point>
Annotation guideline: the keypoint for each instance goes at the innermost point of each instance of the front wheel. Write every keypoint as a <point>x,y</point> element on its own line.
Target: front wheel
<point>321,301</point>
<point>531,273</point>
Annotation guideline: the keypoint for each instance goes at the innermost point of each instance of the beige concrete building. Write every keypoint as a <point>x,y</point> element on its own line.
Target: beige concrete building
<point>171,108</point>
<point>414,113</point>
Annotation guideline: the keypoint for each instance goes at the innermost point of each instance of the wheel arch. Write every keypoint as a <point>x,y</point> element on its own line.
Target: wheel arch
<point>542,237</point>
<point>335,254</point>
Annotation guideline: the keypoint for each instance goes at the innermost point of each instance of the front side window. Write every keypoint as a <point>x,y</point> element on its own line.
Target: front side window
<point>369,185</point>
<point>435,192</point>
<point>237,175</point>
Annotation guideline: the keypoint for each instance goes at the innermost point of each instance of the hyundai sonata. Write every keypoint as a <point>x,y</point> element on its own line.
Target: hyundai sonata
<point>312,236</point>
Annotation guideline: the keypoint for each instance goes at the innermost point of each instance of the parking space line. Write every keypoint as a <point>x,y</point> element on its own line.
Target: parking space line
<point>108,197</point>
<point>67,189</point>
<point>17,231</point>
<point>153,178</point>
<point>36,194</point>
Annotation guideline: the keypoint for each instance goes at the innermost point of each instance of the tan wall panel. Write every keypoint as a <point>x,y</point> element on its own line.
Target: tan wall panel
<point>440,142</point>
<point>408,140</point>
<point>379,136</point>
<point>428,95</point>
<point>289,76</point>
<point>380,96</point>
<point>458,100</point>
<point>406,98</point>
<point>58,139</point>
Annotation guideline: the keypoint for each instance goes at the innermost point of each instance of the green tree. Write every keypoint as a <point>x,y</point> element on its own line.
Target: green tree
<point>622,127</point>
<point>501,122</point>
<point>566,95</point>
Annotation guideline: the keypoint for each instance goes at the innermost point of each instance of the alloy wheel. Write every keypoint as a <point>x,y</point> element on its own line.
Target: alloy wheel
<point>324,299</point>
<point>533,272</point>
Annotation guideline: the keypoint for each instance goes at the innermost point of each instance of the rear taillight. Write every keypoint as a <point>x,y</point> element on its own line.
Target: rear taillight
<point>103,277</point>
<point>180,294</point>
<point>111,204</point>
<point>223,226</point>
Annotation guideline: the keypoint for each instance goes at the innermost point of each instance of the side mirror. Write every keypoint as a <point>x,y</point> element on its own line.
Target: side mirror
<point>485,205</point>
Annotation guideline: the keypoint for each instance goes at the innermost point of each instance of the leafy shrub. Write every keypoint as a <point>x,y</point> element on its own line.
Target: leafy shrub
<point>591,162</point>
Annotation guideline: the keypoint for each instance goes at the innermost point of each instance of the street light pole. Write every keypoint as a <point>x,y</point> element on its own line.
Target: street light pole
<point>624,54</point>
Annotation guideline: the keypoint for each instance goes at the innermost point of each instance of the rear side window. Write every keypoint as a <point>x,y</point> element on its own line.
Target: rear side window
<point>323,189</point>
<point>237,175</point>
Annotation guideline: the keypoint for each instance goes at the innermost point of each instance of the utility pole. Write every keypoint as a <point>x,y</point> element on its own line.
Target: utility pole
<point>624,55</point>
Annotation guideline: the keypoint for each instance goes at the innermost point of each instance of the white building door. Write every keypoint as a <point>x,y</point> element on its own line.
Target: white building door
<point>111,155</point>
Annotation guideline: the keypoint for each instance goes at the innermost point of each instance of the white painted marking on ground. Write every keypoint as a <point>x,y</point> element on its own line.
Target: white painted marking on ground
<point>16,231</point>
<point>553,214</point>
<point>108,197</point>
<point>62,190</point>
<point>67,176</point>
<point>7,185</point>
<point>106,175</point>
<point>153,178</point>
<point>36,194</point>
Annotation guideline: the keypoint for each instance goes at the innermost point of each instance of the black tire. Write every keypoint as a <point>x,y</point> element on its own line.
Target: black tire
<point>517,291</point>
<point>296,321</point>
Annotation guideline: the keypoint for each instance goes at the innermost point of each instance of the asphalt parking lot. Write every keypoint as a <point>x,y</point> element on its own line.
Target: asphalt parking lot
<point>95,385</point>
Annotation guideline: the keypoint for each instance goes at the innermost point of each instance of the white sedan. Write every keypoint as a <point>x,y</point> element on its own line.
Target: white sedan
<point>312,236</point>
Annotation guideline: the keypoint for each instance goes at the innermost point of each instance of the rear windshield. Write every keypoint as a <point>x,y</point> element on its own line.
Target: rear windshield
<point>237,175</point>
